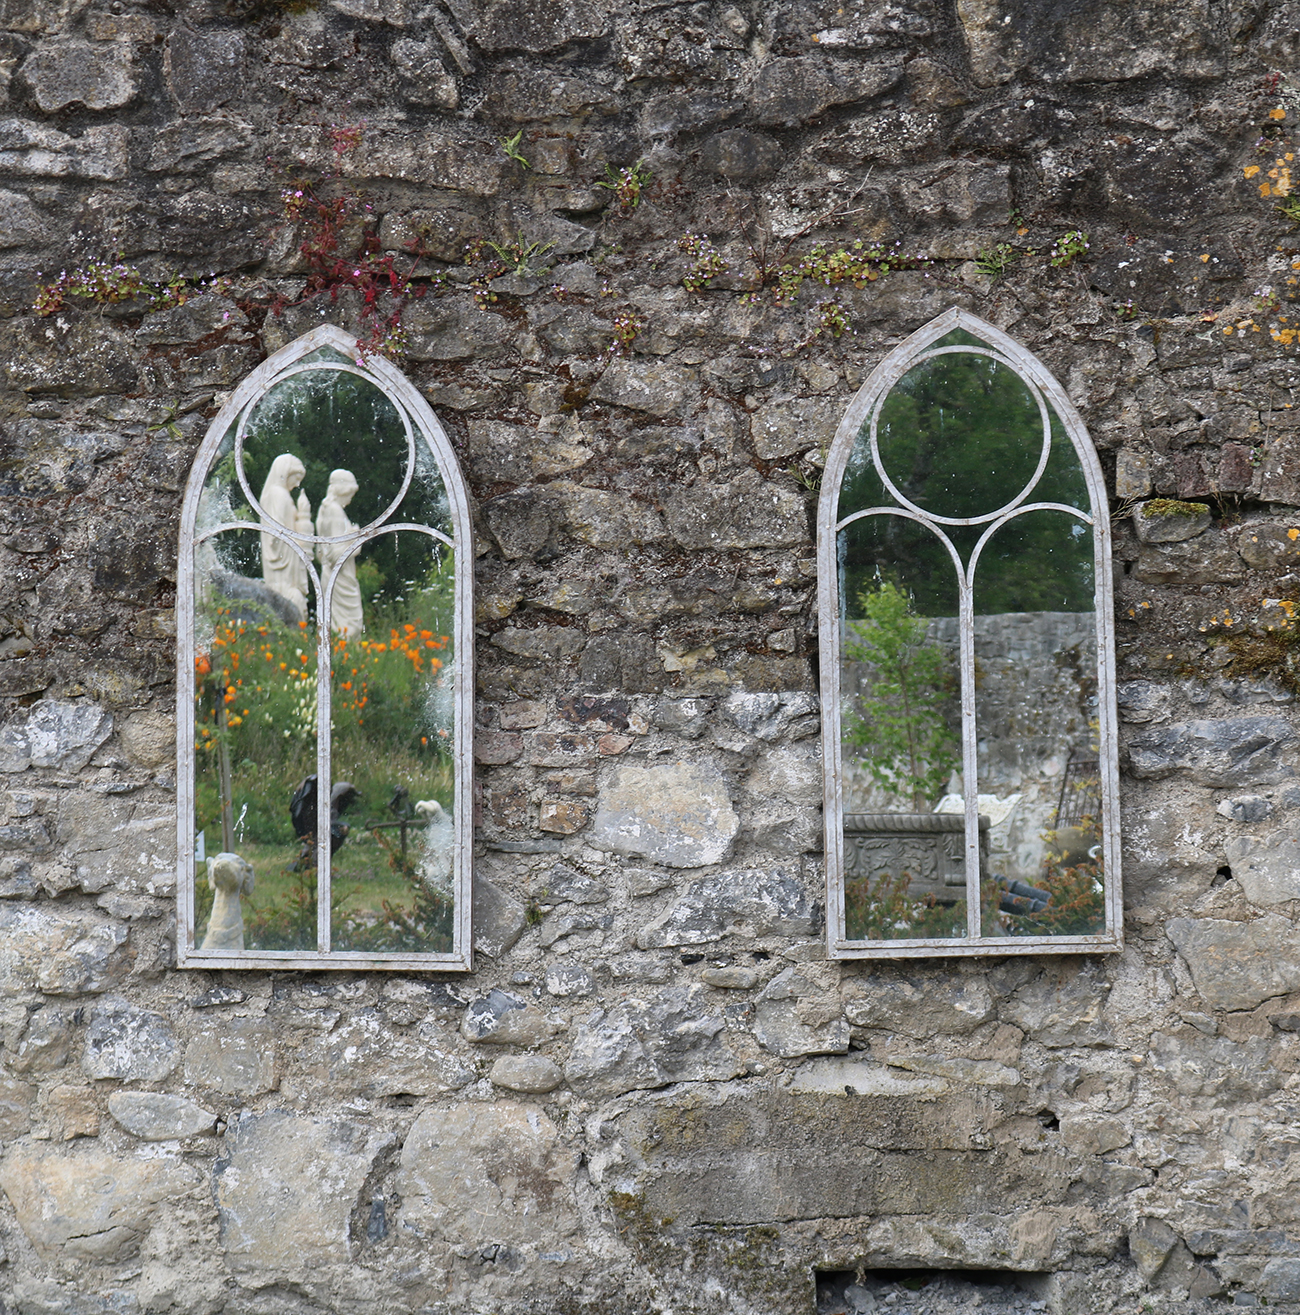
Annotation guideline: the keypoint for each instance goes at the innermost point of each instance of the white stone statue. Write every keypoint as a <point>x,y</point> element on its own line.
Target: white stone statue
<point>229,877</point>
<point>282,569</point>
<point>332,521</point>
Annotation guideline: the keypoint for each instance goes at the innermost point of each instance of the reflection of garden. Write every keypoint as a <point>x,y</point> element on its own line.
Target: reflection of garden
<point>391,738</point>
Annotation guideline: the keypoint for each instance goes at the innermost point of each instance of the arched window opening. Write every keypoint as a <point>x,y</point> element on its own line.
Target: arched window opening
<point>325,674</point>
<point>967,659</point>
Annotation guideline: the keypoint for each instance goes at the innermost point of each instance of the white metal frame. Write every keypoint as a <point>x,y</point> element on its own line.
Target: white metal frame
<point>865,410</point>
<point>419,421</point>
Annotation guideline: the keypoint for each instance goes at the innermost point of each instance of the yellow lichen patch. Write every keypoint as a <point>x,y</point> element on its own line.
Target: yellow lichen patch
<point>1277,112</point>
<point>1250,171</point>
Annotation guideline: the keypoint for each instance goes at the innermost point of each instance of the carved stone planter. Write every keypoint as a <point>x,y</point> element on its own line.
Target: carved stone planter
<point>929,847</point>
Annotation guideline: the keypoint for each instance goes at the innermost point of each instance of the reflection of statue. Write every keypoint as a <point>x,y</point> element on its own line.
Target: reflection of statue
<point>229,876</point>
<point>282,568</point>
<point>332,522</point>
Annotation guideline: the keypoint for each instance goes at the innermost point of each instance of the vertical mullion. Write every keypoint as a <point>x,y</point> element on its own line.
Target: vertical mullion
<point>969,749</point>
<point>324,776</point>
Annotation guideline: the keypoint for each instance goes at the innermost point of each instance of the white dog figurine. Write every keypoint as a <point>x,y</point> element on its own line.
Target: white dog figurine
<point>429,810</point>
<point>229,876</point>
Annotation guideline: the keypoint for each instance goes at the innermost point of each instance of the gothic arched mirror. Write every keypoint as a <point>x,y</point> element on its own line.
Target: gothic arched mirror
<point>967,659</point>
<point>325,674</point>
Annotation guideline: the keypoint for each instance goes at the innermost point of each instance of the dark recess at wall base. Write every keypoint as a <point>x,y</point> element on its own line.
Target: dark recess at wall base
<point>854,1292</point>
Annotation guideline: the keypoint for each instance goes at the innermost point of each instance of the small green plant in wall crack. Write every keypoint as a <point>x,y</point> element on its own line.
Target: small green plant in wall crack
<point>1068,248</point>
<point>994,261</point>
<point>627,184</point>
<point>709,261</point>
<point>522,257</point>
<point>627,325</point>
<point>510,148</point>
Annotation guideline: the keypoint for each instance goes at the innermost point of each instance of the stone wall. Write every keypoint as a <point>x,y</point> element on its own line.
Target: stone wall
<point>654,1093</point>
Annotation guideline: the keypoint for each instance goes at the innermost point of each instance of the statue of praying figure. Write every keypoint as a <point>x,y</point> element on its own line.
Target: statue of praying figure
<point>332,522</point>
<point>282,569</point>
<point>229,877</point>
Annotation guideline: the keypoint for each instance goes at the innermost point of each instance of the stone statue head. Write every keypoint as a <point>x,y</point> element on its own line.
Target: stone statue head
<point>286,471</point>
<point>343,484</point>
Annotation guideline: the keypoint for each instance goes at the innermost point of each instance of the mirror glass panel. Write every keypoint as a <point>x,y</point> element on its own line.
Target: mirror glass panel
<point>255,739</point>
<point>900,743</point>
<point>393,735</point>
<point>1037,711</point>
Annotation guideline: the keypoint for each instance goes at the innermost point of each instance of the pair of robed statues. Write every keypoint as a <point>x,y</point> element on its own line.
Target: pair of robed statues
<point>283,569</point>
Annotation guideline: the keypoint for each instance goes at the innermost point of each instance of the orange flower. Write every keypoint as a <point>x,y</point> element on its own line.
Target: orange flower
<point>202,665</point>
<point>426,634</point>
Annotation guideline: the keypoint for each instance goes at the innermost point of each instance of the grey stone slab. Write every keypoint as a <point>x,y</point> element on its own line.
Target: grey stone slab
<point>747,512</point>
<point>158,1115</point>
<point>677,814</point>
<point>285,1188</point>
<point>1226,752</point>
<point>744,902</point>
<point>1238,965</point>
<point>130,1044</point>
<point>82,1203</point>
<point>60,952</point>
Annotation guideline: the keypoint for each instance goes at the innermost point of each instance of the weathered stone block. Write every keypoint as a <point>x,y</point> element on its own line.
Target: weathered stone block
<point>678,814</point>
<point>743,902</point>
<point>1225,753</point>
<point>71,72</point>
<point>1202,561</point>
<point>1167,521</point>
<point>1217,1067</point>
<point>787,92</point>
<point>515,454</point>
<point>671,1037</point>
<point>749,512</point>
<point>364,1055</point>
<point>799,1013</point>
<point>158,1116</point>
<point>285,1190</point>
<point>647,386</point>
<point>204,68</point>
<point>740,155</point>
<point>1150,1244</point>
<point>16,1100</point>
<point>794,424</point>
<point>792,772</point>
<point>497,919</point>
<point>1269,545</point>
<point>84,1203</point>
<point>1062,1005</point>
<point>503,1019</point>
<point>237,1058</point>
<point>21,224</point>
<point>128,1043</point>
<point>54,734</point>
<point>40,152</point>
<point>1267,868</point>
<point>529,1074</point>
<point>1238,965</point>
<point>73,953</point>
<point>606,520</point>
<point>918,1006</point>
<point>1111,42</point>
<point>474,1175</point>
